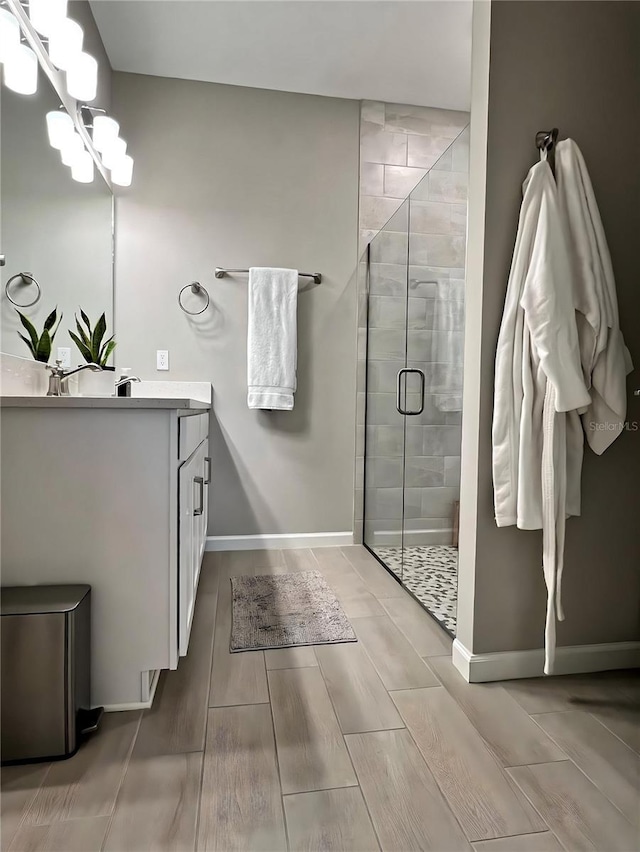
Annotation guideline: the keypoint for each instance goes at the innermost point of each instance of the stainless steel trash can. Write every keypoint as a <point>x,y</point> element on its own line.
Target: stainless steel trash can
<point>45,671</point>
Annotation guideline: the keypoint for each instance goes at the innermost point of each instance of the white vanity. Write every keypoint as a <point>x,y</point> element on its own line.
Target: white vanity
<point>112,492</point>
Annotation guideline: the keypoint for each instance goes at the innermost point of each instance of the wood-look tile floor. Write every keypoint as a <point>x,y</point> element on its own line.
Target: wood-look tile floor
<point>357,747</point>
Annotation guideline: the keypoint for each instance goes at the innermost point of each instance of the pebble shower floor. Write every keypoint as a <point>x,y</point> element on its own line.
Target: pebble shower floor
<point>430,573</point>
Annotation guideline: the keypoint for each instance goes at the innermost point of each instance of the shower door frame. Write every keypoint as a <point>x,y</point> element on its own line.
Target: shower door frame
<point>366,408</point>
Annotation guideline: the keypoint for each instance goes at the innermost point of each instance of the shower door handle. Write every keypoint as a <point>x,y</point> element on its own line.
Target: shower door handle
<point>405,371</point>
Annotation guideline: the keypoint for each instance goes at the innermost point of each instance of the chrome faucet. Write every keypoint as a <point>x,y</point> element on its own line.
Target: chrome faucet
<point>125,379</point>
<point>57,379</point>
<point>123,385</point>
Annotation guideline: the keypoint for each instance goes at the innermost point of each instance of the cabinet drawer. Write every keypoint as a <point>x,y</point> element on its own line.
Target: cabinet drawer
<point>192,432</point>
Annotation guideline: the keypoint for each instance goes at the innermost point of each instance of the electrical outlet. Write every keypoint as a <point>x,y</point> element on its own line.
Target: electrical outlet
<point>162,359</point>
<point>64,356</point>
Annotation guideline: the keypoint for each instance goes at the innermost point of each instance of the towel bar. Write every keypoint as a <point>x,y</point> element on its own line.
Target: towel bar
<point>220,273</point>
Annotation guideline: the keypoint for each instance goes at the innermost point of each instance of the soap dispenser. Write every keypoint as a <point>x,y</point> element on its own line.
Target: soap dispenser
<point>123,385</point>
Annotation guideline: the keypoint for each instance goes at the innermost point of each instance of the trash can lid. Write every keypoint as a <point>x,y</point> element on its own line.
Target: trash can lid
<point>34,600</point>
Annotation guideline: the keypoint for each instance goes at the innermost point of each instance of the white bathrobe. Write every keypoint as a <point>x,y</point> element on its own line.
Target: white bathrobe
<point>605,358</point>
<point>560,355</point>
<point>539,387</point>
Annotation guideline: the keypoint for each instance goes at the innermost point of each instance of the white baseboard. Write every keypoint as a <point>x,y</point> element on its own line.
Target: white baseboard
<point>571,659</point>
<point>130,705</point>
<point>279,541</point>
<point>149,685</point>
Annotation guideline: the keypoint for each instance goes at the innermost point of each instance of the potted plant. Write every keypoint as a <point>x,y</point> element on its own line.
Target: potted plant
<point>40,344</point>
<point>93,347</point>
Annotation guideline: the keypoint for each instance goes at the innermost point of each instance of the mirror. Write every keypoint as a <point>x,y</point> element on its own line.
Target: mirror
<point>52,227</point>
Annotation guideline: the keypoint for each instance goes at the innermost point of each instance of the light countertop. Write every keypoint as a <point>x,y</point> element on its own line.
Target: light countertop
<point>114,402</point>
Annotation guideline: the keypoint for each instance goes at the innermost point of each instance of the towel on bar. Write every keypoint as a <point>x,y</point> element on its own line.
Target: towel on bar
<point>272,346</point>
<point>447,348</point>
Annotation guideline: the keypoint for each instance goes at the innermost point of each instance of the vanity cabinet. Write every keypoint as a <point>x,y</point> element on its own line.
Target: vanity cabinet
<point>113,493</point>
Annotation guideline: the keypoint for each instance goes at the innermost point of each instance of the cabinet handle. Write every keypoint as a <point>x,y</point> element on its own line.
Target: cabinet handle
<point>207,460</point>
<point>200,482</point>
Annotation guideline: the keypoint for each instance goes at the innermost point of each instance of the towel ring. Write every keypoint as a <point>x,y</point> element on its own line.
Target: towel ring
<point>195,287</point>
<point>26,278</point>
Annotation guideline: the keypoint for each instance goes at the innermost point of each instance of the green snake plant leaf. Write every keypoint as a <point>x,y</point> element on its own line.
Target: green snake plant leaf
<point>33,334</point>
<point>56,328</point>
<point>51,319</point>
<point>96,338</point>
<point>111,345</point>
<point>84,350</point>
<point>29,344</point>
<point>103,350</point>
<point>43,350</point>
<point>82,334</point>
<point>90,342</point>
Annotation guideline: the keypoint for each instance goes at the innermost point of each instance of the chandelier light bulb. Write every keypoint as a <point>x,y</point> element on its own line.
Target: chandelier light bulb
<point>21,70</point>
<point>71,150</point>
<point>9,34</point>
<point>45,15</point>
<point>60,128</point>
<point>105,132</point>
<point>82,77</point>
<point>114,153</point>
<point>122,171</point>
<point>82,167</point>
<point>65,43</point>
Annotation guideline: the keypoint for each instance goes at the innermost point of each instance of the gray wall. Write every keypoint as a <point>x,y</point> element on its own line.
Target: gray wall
<point>237,177</point>
<point>575,65</point>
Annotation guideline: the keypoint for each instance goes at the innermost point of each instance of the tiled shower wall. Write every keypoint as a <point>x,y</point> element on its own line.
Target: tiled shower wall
<point>408,142</point>
<point>398,145</point>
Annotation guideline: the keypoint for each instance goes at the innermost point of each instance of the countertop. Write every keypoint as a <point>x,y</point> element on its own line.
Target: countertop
<point>103,402</point>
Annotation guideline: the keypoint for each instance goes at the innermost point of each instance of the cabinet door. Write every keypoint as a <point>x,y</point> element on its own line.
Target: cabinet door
<point>203,519</point>
<point>188,500</point>
<point>193,502</point>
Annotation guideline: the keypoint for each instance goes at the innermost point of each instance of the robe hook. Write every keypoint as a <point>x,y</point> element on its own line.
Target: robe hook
<point>546,139</point>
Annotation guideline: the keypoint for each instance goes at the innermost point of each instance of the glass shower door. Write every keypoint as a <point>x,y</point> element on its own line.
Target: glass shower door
<point>386,358</point>
<point>413,414</point>
<point>437,242</point>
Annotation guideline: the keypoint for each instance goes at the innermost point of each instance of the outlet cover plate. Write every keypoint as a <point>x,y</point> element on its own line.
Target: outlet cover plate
<point>64,355</point>
<point>162,359</point>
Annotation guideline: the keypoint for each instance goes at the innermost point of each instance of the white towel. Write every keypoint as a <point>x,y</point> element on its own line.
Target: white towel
<point>272,346</point>
<point>447,348</point>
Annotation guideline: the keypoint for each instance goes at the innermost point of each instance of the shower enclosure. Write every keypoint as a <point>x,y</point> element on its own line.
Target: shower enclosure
<point>415,321</point>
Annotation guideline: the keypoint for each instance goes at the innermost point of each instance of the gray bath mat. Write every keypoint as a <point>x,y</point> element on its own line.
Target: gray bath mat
<point>283,610</point>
